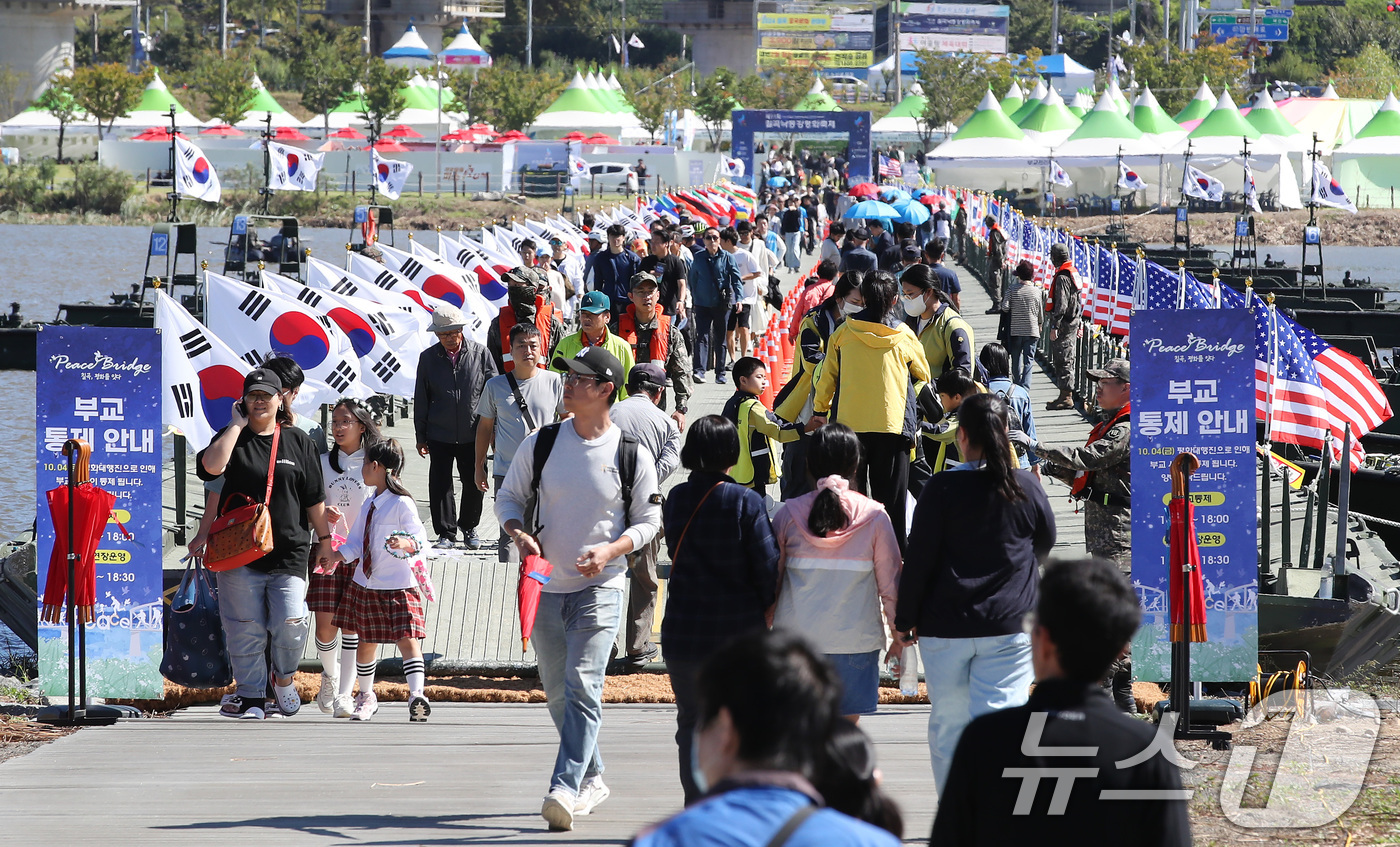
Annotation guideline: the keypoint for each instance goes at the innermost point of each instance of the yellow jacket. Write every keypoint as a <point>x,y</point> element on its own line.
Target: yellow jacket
<point>870,365</point>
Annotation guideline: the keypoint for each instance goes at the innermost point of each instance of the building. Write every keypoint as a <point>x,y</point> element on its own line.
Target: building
<point>36,39</point>
<point>721,32</point>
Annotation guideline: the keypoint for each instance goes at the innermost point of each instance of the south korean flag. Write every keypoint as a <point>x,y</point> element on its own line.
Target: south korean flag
<point>390,175</point>
<point>203,376</point>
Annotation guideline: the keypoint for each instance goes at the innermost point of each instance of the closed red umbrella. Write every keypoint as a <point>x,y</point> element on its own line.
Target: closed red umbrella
<point>865,189</point>
<point>1185,556</point>
<point>534,573</point>
<point>89,511</point>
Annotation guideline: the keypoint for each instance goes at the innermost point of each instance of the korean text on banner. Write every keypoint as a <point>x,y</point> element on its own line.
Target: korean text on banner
<point>1193,390</point>
<point>103,385</point>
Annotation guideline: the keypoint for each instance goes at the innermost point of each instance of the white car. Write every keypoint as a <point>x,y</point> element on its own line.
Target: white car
<point>610,176</point>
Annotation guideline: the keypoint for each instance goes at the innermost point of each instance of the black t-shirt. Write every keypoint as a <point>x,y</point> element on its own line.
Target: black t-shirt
<point>673,270</point>
<point>296,486</point>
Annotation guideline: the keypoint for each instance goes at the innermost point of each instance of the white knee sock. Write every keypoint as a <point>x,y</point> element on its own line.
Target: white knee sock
<point>349,646</point>
<point>413,672</point>
<point>330,658</point>
<point>365,672</point>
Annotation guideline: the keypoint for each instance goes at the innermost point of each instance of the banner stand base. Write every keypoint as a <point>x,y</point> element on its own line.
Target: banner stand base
<point>93,715</point>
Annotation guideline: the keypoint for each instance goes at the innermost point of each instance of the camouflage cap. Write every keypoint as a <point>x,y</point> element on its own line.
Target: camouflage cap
<point>1112,369</point>
<point>523,276</point>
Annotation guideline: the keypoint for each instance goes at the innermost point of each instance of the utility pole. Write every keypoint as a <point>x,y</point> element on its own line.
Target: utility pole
<point>529,33</point>
<point>1055,27</point>
<point>898,58</point>
<point>365,39</point>
<point>136,37</point>
<point>223,28</point>
<point>624,33</point>
<point>1132,20</point>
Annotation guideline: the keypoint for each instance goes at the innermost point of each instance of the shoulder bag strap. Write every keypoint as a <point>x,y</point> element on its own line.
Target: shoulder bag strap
<point>272,464</point>
<point>680,541</point>
<point>520,400</point>
<point>798,818</point>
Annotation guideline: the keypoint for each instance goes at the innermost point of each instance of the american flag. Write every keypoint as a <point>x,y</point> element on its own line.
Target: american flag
<point>890,167</point>
<point>1174,290</point>
<point>1113,291</point>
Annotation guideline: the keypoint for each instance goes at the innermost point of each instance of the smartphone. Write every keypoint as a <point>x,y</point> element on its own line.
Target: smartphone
<point>242,410</point>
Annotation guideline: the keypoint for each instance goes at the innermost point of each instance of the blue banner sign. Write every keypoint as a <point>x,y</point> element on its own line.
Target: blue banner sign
<point>1193,391</point>
<point>103,385</point>
<point>854,125</point>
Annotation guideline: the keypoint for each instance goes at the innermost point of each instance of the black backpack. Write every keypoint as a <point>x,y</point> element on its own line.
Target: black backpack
<point>626,466</point>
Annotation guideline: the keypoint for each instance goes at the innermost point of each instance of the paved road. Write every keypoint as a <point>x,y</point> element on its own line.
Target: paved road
<point>474,774</point>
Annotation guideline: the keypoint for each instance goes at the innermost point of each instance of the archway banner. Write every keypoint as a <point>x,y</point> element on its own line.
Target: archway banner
<point>747,123</point>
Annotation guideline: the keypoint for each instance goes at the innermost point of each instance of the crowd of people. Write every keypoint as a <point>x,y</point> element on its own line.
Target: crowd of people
<point>908,508</point>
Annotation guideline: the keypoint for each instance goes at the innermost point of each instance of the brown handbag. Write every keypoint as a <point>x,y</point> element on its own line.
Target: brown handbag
<point>244,534</point>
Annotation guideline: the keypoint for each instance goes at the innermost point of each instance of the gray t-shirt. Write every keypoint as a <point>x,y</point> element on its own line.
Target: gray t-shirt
<point>543,393</point>
<point>639,417</point>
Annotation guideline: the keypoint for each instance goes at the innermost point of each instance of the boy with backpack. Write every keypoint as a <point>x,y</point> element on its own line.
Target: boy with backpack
<point>594,502</point>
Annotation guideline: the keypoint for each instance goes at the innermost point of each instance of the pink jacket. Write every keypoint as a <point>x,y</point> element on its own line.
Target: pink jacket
<point>833,589</point>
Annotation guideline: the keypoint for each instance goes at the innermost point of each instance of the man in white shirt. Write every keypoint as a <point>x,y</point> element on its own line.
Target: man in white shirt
<point>768,263</point>
<point>587,523</point>
<point>740,319</point>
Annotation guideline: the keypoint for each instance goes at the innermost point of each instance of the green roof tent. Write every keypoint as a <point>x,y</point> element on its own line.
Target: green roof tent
<point>578,107</point>
<point>1153,120</point>
<point>1385,123</point>
<point>1014,98</point>
<point>1224,121</point>
<point>1199,107</point>
<point>1116,93</point>
<point>1368,165</point>
<point>1032,100</point>
<point>616,88</point>
<point>264,105</point>
<point>1081,104</point>
<point>154,109</point>
<point>1104,134</point>
<point>576,98</point>
<point>904,117</point>
<point>1051,121</point>
<point>1265,117</point>
<point>817,100</point>
<point>988,135</point>
<point>989,121</point>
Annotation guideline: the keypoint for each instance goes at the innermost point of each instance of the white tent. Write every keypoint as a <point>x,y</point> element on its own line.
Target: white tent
<point>264,105</point>
<point>989,152</point>
<point>154,110</point>
<point>410,51</point>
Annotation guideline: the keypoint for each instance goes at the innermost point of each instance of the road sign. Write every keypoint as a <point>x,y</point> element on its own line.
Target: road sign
<point>1262,11</point>
<point>1260,32</point>
<point>1243,20</point>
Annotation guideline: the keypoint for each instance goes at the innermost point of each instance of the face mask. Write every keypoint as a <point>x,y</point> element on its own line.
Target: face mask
<point>914,306</point>
<point>697,775</point>
<point>848,308</point>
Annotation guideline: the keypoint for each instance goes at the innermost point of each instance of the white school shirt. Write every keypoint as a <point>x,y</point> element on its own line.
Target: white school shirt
<point>345,489</point>
<point>392,513</point>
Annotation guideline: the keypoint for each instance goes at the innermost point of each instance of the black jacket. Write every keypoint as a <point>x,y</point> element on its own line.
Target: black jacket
<point>971,570</point>
<point>978,805</point>
<point>444,398</point>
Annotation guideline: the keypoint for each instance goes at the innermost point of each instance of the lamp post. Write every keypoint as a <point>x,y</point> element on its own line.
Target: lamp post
<point>529,33</point>
<point>437,142</point>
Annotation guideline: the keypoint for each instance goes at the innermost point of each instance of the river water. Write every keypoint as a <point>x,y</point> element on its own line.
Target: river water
<point>43,265</point>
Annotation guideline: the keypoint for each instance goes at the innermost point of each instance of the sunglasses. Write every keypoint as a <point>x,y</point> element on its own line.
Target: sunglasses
<point>577,378</point>
<point>712,238</point>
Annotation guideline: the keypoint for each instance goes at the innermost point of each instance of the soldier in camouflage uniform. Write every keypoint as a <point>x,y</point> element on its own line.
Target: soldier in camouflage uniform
<point>1100,474</point>
<point>1066,309</point>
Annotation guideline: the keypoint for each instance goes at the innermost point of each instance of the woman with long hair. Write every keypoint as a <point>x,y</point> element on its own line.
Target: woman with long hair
<point>840,567</point>
<point>872,364</point>
<point>971,574</point>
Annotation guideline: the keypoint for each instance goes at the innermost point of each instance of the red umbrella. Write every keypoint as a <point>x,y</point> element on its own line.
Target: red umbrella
<point>534,573</point>
<point>457,135</point>
<point>90,509</point>
<point>599,138</point>
<point>513,135</point>
<point>347,132</point>
<point>289,133</point>
<point>929,200</point>
<point>403,131</point>
<point>155,133</point>
<point>865,189</point>
<point>390,147</point>
<point>222,130</point>
<point>480,127</point>
<point>1185,555</point>
<point>574,136</point>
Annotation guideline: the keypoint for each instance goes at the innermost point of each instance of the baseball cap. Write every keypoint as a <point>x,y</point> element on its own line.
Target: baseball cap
<point>1112,369</point>
<point>687,231</point>
<point>448,318</point>
<point>596,235</point>
<point>522,276</point>
<point>593,360</point>
<point>646,375</point>
<point>909,251</point>
<point>596,302</point>
<point>554,239</point>
<point>861,234</point>
<point>643,278</point>
<point>262,379</point>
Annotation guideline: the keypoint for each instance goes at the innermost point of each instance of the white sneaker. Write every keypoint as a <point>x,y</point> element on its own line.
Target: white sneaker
<point>288,699</point>
<point>558,809</point>
<point>366,704</point>
<point>325,695</point>
<point>343,707</point>
<point>590,795</point>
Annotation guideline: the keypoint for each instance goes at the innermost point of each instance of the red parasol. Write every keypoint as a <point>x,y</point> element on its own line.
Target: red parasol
<point>600,138</point>
<point>574,136</point>
<point>155,133</point>
<point>864,189</point>
<point>222,130</point>
<point>90,510</point>
<point>289,133</point>
<point>403,131</point>
<point>929,200</point>
<point>347,132</point>
<point>1185,560</point>
<point>390,147</point>
<point>513,135</point>
<point>534,573</point>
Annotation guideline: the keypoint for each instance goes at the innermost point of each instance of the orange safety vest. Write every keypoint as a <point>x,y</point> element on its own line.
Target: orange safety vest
<point>1084,479</point>
<point>544,316</point>
<point>658,346</point>
<point>1073,274</point>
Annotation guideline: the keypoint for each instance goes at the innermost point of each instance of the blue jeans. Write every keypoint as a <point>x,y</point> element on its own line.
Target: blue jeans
<point>967,678</point>
<point>258,608</point>
<point>710,322</point>
<point>1022,359</point>
<point>574,635</point>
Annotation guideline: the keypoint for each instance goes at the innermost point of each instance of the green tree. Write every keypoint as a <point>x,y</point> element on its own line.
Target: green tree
<point>328,65</point>
<point>58,101</point>
<point>227,86</point>
<point>653,97</point>
<point>108,92</point>
<point>1029,25</point>
<point>1175,79</point>
<point>507,95</point>
<point>954,83</point>
<point>13,90</point>
<point>780,88</point>
<point>714,101</point>
<point>1289,65</point>
<point>1370,75</point>
<point>382,98</point>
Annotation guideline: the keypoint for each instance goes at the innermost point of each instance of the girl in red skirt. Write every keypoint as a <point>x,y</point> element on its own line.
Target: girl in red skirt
<point>352,428</point>
<point>382,603</point>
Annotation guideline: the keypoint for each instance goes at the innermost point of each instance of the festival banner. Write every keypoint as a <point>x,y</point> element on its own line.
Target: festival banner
<point>1193,390</point>
<point>815,58</point>
<point>788,40</point>
<point>103,385</point>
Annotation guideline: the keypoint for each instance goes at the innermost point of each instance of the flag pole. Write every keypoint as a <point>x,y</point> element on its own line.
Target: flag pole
<point>174,195</point>
<point>266,190</point>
